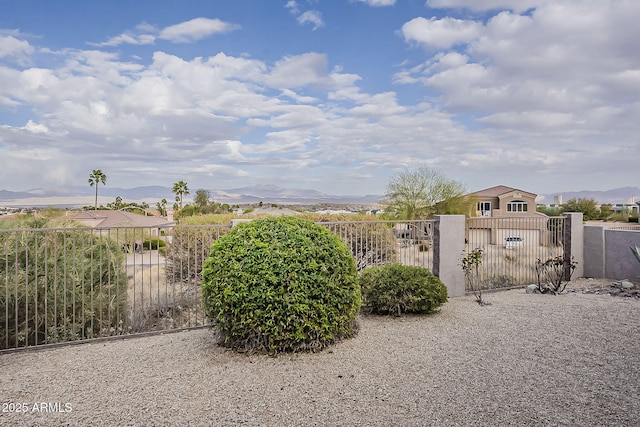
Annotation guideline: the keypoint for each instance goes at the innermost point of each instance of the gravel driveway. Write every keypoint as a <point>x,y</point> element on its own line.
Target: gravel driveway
<point>526,359</point>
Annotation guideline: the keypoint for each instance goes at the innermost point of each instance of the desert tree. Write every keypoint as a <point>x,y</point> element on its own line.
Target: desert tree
<point>117,204</point>
<point>201,199</point>
<point>180,189</point>
<point>422,192</point>
<point>96,177</point>
<point>588,207</point>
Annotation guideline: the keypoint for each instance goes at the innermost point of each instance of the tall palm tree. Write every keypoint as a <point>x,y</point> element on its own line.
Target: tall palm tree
<point>180,189</point>
<point>95,178</point>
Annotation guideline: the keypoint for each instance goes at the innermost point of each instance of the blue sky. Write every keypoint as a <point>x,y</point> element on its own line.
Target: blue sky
<point>331,95</point>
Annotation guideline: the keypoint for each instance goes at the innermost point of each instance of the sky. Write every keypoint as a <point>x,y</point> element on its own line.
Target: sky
<point>332,95</point>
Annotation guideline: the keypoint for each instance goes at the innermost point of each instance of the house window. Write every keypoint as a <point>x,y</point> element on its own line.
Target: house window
<point>517,206</point>
<point>484,208</point>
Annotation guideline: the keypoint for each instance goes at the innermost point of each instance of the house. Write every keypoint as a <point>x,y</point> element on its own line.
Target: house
<point>495,206</point>
<point>105,219</point>
<point>503,201</point>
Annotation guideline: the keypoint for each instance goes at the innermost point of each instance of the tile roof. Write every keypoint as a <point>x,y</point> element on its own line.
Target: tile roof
<point>498,190</point>
<point>110,219</point>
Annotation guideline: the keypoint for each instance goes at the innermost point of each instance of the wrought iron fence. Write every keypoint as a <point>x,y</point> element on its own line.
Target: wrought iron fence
<point>76,283</point>
<point>383,242</point>
<point>511,247</point>
<point>71,284</point>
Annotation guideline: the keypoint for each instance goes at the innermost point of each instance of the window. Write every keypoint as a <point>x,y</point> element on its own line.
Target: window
<point>484,208</point>
<point>517,206</point>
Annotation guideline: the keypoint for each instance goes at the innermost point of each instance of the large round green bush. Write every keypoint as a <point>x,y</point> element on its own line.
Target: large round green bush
<point>396,289</point>
<point>281,284</point>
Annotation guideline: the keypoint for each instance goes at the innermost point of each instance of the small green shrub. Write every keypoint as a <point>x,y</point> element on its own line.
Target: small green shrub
<point>153,244</point>
<point>396,289</point>
<point>281,284</point>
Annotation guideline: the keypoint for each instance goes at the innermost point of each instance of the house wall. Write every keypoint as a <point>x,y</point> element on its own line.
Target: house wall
<point>516,196</point>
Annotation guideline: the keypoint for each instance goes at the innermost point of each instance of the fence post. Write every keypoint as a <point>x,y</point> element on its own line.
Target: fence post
<point>573,242</point>
<point>448,246</point>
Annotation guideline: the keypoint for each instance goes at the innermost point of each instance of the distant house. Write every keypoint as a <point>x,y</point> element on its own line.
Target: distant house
<point>105,219</point>
<point>503,201</point>
<point>505,215</point>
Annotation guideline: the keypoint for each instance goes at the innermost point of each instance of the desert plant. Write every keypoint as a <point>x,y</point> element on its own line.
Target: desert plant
<point>189,247</point>
<point>371,243</point>
<point>497,281</point>
<point>62,285</point>
<point>281,284</point>
<point>396,289</point>
<point>554,274</point>
<point>471,267</point>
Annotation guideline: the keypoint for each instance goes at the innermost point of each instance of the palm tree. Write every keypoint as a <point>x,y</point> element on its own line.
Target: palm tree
<point>162,207</point>
<point>180,189</point>
<point>95,178</point>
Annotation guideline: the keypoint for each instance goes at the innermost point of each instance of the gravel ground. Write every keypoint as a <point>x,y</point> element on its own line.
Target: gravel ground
<point>526,359</point>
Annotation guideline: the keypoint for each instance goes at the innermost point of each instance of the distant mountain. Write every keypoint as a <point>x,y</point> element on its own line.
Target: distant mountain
<point>10,195</point>
<point>615,196</point>
<point>268,193</point>
<point>151,194</point>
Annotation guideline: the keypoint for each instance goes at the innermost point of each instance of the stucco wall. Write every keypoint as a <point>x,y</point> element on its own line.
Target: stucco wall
<point>620,263</point>
<point>594,251</point>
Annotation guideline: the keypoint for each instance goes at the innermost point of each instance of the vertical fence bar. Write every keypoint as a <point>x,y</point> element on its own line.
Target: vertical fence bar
<point>6,290</point>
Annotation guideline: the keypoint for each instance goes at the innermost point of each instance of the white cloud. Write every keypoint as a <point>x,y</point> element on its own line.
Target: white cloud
<point>184,32</point>
<point>292,6</point>
<point>440,33</point>
<point>35,127</point>
<point>195,29</point>
<point>486,5</point>
<point>518,99</point>
<point>13,48</point>
<point>377,3</point>
<point>128,38</point>
<point>312,17</point>
<point>300,70</point>
<point>566,58</point>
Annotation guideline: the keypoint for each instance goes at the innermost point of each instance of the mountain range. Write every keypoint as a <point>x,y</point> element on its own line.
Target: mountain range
<point>81,196</point>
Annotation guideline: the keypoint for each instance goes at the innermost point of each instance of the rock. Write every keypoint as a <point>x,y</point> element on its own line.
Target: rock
<point>532,289</point>
<point>625,284</point>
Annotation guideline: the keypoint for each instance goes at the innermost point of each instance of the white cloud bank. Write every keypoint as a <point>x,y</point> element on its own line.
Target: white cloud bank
<point>544,99</point>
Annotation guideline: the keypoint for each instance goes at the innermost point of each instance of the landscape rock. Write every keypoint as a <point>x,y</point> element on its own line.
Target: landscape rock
<point>532,289</point>
<point>626,284</point>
